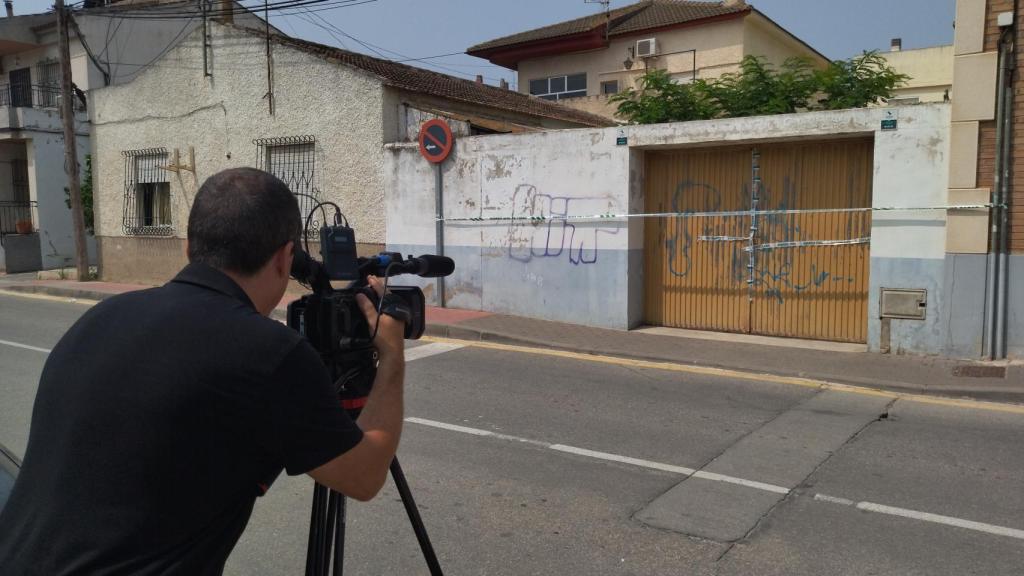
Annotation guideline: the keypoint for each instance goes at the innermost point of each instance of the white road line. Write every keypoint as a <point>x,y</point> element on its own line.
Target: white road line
<point>623,459</point>
<point>834,500</point>
<point>411,354</point>
<point>741,482</point>
<point>925,516</point>
<point>939,519</point>
<point>25,346</point>
<point>452,427</point>
<point>682,470</point>
<point>431,349</point>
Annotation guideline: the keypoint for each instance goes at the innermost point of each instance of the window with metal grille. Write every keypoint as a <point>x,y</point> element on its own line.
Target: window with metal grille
<point>293,160</point>
<point>147,193</point>
<point>49,84</point>
<point>19,179</point>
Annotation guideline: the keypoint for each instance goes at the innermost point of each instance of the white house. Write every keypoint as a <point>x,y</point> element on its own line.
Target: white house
<point>318,117</point>
<point>106,48</point>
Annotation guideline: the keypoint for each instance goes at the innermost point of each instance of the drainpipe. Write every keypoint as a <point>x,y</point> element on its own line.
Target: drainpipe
<point>997,256</point>
<point>1007,67</point>
<point>992,280</point>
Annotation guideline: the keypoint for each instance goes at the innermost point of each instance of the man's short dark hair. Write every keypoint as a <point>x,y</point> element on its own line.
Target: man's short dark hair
<point>239,218</point>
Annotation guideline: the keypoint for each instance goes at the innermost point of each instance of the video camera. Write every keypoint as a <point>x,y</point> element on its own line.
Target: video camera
<point>331,318</point>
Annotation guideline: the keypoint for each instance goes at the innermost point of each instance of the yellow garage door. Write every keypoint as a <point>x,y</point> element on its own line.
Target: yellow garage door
<point>773,240</point>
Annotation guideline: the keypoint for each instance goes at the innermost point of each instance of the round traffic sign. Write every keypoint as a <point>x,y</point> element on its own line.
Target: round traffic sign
<point>436,140</point>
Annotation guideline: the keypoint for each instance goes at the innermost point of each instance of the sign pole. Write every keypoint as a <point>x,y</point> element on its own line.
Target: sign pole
<point>439,194</point>
<point>436,142</point>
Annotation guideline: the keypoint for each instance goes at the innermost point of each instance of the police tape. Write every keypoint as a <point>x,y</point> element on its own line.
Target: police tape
<point>734,213</point>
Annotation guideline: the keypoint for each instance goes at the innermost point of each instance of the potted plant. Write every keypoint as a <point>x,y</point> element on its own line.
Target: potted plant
<point>23,226</point>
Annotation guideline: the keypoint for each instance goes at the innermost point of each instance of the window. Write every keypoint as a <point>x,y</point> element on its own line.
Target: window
<point>559,87</point>
<point>19,179</point>
<point>610,87</point>
<point>49,84</point>
<point>147,193</point>
<point>293,160</point>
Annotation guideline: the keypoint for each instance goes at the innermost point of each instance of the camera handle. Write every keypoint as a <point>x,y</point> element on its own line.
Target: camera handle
<point>327,528</point>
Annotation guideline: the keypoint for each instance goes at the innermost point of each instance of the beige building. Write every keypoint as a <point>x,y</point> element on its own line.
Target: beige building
<point>582,62</point>
<point>930,71</point>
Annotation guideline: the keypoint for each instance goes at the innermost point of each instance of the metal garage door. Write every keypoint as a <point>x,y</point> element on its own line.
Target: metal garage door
<point>766,270</point>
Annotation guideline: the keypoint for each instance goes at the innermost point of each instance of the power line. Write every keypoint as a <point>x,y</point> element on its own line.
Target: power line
<point>188,10</point>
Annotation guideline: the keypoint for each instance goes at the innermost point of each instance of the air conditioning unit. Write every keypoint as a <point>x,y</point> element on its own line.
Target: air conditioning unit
<point>646,48</point>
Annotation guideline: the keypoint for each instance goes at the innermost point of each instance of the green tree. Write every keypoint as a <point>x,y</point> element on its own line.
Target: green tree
<point>858,82</point>
<point>758,89</point>
<point>661,99</point>
<point>86,188</point>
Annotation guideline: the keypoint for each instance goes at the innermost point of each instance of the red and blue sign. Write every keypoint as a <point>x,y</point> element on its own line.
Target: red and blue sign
<point>436,140</point>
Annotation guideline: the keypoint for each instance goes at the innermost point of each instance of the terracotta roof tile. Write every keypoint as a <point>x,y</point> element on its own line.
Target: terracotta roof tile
<point>432,83</point>
<point>625,20</point>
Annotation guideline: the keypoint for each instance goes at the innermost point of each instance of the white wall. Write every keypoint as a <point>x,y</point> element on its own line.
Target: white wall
<point>569,268</point>
<point>171,105</point>
<point>519,268</point>
<point>47,181</point>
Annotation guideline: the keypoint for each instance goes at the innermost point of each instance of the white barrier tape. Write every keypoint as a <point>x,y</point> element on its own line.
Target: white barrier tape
<point>720,214</point>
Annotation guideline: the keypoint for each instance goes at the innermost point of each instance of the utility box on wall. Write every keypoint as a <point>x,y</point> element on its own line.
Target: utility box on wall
<point>903,303</point>
<point>22,253</point>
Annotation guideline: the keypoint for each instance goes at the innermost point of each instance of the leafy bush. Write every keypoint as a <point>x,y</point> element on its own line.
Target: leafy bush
<point>759,89</point>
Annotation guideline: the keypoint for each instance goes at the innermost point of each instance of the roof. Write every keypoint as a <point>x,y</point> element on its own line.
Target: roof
<point>412,79</point>
<point>626,20</point>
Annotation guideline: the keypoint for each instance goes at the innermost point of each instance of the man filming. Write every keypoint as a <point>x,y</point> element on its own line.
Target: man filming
<point>162,414</point>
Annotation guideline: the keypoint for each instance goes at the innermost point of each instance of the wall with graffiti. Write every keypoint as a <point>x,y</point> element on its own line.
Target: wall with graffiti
<point>552,224</point>
<point>515,209</point>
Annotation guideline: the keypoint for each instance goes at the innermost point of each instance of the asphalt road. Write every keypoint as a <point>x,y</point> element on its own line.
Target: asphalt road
<point>527,463</point>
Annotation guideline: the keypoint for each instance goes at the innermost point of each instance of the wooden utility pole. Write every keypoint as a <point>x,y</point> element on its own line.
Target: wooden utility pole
<point>67,105</point>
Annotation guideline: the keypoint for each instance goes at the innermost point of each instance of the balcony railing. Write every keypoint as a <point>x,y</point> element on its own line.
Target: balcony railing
<point>13,212</point>
<point>35,96</point>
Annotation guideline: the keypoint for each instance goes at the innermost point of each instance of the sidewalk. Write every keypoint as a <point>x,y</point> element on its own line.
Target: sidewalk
<point>913,374</point>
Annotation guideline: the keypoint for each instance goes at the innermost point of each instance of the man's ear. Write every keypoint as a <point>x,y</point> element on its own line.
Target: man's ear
<point>283,259</point>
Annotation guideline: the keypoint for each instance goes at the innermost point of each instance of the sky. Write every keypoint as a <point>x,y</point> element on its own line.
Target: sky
<point>405,29</point>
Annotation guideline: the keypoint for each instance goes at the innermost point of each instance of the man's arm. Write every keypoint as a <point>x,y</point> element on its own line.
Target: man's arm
<point>360,472</point>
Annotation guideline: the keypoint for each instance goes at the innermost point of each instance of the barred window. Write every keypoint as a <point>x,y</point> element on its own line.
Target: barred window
<point>49,83</point>
<point>293,160</point>
<point>147,193</point>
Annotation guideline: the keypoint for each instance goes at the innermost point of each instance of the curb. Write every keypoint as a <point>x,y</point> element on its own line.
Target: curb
<point>456,332</point>
<point>75,293</point>
<point>967,392</point>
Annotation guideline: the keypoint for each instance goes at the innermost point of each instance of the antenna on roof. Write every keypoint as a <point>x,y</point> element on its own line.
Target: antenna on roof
<point>607,13</point>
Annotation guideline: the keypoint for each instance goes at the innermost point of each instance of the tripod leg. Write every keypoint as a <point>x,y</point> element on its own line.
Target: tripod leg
<point>328,533</point>
<point>312,550</point>
<point>414,519</point>
<point>339,537</point>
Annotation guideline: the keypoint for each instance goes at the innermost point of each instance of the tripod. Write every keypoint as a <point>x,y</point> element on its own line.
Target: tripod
<point>327,528</point>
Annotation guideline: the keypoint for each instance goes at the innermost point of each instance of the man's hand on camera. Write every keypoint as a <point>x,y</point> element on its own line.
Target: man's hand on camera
<point>389,340</point>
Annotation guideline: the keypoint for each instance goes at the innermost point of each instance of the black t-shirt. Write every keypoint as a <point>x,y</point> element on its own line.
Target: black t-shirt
<point>161,415</point>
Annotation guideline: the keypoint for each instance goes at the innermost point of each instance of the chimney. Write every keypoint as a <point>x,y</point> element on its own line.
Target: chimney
<point>503,84</point>
<point>227,11</point>
<point>10,8</point>
<point>897,45</point>
<point>479,78</point>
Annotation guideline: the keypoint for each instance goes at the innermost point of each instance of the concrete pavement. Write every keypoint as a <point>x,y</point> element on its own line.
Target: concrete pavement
<point>525,462</point>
